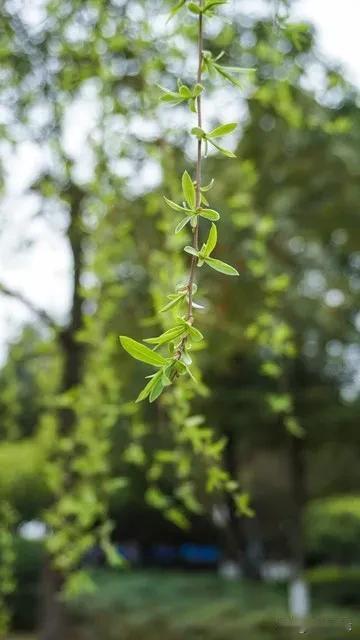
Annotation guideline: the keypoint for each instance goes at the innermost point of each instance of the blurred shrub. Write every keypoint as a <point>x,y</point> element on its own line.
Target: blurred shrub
<point>25,601</point>
<point>22,476</point>
<point>333,529</point>
<point>335,585</point>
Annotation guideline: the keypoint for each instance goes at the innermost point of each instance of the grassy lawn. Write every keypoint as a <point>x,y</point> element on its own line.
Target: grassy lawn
<point>174,606</point>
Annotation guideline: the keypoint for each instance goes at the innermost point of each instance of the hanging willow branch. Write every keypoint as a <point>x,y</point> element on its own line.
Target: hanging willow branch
<point>178,339</point>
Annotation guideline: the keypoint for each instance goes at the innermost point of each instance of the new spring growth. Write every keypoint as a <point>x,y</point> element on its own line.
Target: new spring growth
<point>170,352</point>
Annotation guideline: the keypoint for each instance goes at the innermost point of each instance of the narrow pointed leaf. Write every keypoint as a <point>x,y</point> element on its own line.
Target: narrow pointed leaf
<point>239,69</point>
<point>147,389</point>
<point>222,130</point>
<point>213,3</point>
<point>170,96</point>
<point>223,267</point>
<point>218,57</point>
<point>234,81</point>
<point>182,224</point>
<point>186,358</point>
<point>194,8</point>
<point>209,214</point>
<point>185,92</point>
<point>188,190</point>
<point>188,370</point>
<point>174,102</point>
<point>199,133</point>
<point>209,186</point>
<point>225,152</point>
<point>195,334</point>
<point>167,336</point>
<point>156,390</point>
<point>197,90</point>
<point>191,250</point>
<point>196,305</point>
<point>211,241</point>
<point>175,206</point>
<point>175,301</point>
<point>227,72</point>
<point>142,353</point>
<point>177,8</point>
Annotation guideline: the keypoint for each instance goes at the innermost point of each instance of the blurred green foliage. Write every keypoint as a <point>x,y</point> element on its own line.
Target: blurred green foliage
<point>199,606</point>
<point>335,585</point>
<point>284,336</point>
<point>333,529</point>
<point>25,601</point>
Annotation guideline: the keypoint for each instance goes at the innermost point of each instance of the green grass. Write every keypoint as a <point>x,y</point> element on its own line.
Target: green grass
<point>157,605</point>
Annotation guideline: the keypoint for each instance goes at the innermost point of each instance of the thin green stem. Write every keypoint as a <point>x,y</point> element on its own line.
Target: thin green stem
<point>198,166</point>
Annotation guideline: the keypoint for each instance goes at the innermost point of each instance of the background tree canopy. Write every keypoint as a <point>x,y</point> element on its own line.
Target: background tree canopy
<point>277,402</point>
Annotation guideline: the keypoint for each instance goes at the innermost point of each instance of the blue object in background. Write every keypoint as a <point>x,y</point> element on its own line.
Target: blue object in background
<point>200,554</point>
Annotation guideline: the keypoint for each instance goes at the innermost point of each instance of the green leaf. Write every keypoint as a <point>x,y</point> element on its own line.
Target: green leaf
<point>166,373</point>
<point>209,214</point>
<point>222,130</point>
<point>234,81</point>
<point>175,206</point>
<point>176,299</point>
<point>191,250</point>
<point>182,224</point>
<point>197,90</point>
<point>194,8</point>
<point>167,336</point>
<point>186,358</point>
<point>211,241</point>
<point>204,201</point>
<point>188,190</point>
<point>223,267</point>
<point>225,152</point>
<point>185,92</point>
<point>170,96</point>
<point>199,133</point>
<point>192,104</point>
<point>142,353</point>
<point>173,100</point>
<point>177,8</point>
<point>156,390</point>
<point>212,4</point>
<point>190,373</point>
<point>147,389</point>
<point>226,72</point>
<point>219,56</point>
<point>239,69</point>
<point>209,186</point>
<point>195,334</point>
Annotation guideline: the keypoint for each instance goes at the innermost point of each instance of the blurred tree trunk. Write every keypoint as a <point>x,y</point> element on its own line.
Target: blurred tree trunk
<point>241,536</point>
<point>299,495</point>
<point>234,546</point>
<point>54,624</point>
<point>53,616</point>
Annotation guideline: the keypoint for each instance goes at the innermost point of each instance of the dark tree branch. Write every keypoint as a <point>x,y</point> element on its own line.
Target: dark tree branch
<point>42,315</point>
